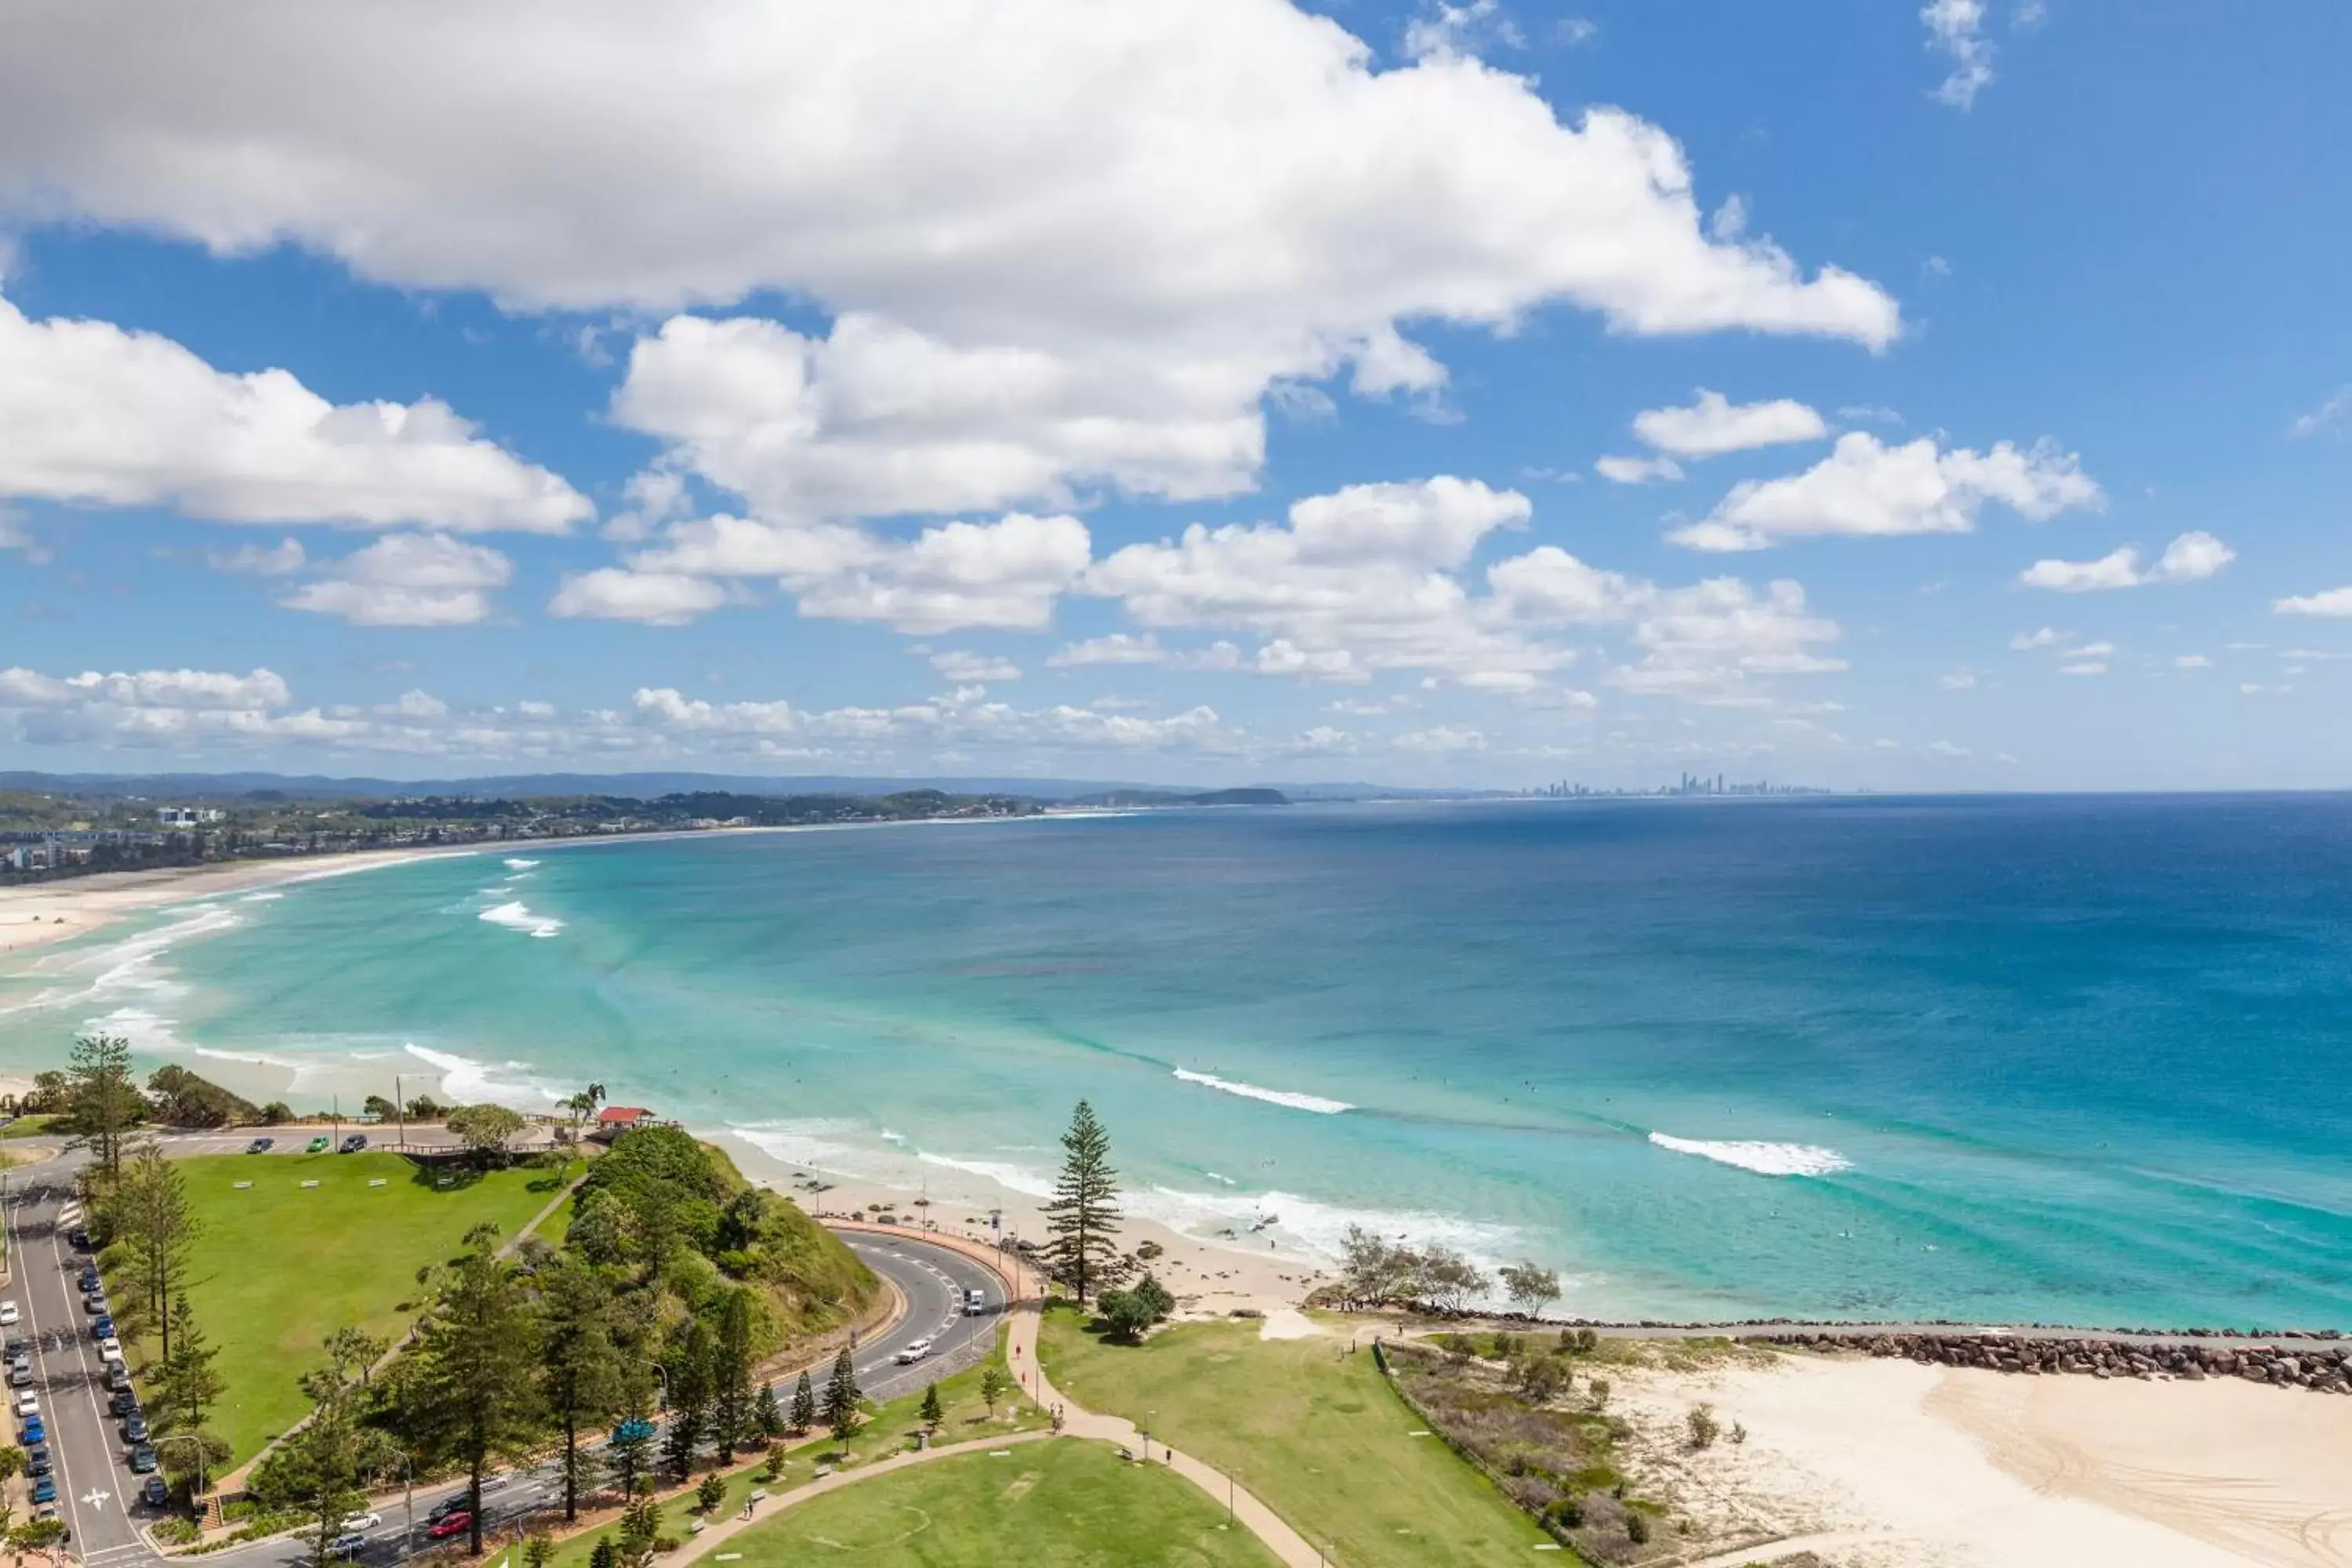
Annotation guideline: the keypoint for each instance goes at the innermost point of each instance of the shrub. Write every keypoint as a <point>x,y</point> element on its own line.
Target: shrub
<point>1703,1426</point>
<point>712,1492</point>
<point>1637,1526</point>
<point>1567,1513</point>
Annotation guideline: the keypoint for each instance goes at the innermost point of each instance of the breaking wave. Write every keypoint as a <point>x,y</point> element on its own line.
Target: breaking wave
<point>1314,1103</point>
<point>1764,1159</point>
<point>515,915</point>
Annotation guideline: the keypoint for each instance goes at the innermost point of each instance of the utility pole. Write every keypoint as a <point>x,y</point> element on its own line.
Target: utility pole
<point>399,1109</point>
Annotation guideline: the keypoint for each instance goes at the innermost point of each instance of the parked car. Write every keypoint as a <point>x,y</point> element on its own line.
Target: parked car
<point>45,1490</point>
<point>156,1492</point>
<point>94,1303</point>
<point>118,1376</point>
<point>355,1143</point>
<point>32,1432</point>
<point>457,1523</point>
<point>261,1146</point>
<point>79,1237</point>
<point>143,1459</point>
<point>27,1402</point>
<point>18,1345</point>
<point>102,1326</point>
<point>318,1146</point>
<point>89,1279</point>
<point>36,1461</point>
<point>8,1313</point>
<point>123,1402</point>
<point>134,1428</point>
<point>109,1347</point>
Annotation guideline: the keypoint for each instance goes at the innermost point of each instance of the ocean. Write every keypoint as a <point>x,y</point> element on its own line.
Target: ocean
<point>2077,1060</point>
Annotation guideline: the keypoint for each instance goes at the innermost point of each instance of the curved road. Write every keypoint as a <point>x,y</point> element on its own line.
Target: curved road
<point>96,1489</point>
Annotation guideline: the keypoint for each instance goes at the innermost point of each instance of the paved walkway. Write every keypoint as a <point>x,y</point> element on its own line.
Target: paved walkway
<point>718,1535</point>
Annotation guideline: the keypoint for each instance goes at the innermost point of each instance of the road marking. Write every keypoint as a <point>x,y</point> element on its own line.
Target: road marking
<point>96,1497</point>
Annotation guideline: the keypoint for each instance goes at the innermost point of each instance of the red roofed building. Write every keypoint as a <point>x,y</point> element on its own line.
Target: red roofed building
<point>615,1120</point>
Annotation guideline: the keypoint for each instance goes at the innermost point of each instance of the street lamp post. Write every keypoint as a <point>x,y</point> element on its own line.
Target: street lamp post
<point>188,1437</point>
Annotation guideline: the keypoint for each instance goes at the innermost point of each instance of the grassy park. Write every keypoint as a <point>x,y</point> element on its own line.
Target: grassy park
<point>1315,1432</point>
<point>282,1265</point>
<point>889,1429</point>
<point>1062,1504</point>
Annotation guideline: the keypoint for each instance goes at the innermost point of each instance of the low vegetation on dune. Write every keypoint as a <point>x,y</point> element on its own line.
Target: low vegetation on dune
<point>1309,1425</point>
<point>1532,1411</point>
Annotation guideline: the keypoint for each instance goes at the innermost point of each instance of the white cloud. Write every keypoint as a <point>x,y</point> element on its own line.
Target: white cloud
<point>98,416</point>
<point>414,705</point>
<point>1005,574</point>
<point>2088,667</point>
<point>1944,749</point>
<point>655,598</point>
<point>2334,602</point>
<point>1441,739</point>
<point>408,580</point>
<point>1869,414</point>
<point>2090,650</point>
<point>1056,249</point>
<point>1957,29</point>
<point>1714,425</point>
<point>2193,661</point>
<point>1867,488</point>
<point>1118,648</point>
<point>2332,411</point>
<point>1575,31</point>
<point>2191,558</point>
<point>1367,570</point>
<point>279,560</point>
<point>1961,680</point>
<point>182,689</point>
<point>961,666</point>
<point>1637,471</point>
<point>2046,637</point>
<point>878,418</point>
<point>1715,639</point>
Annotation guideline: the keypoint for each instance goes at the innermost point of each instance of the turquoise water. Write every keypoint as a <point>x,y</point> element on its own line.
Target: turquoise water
<point>2055,1059</point>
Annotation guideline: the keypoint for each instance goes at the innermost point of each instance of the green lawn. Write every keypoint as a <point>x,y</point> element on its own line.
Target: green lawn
<point>1320,1435</point>
<point>1062,1504</point>
<point>279,1266</point>
<point>887,1431</point>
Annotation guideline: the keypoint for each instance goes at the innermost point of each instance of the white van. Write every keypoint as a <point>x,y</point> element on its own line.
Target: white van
<point>975,1303</point>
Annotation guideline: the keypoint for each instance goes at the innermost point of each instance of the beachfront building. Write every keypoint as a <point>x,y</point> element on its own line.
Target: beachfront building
<point>615,1120</point>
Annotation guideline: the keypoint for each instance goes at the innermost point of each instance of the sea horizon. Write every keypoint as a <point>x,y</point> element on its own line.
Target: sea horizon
<point>2014,1059</point>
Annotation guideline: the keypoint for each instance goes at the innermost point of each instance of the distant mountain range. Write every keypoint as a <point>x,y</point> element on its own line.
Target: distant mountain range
<point>652,785</point>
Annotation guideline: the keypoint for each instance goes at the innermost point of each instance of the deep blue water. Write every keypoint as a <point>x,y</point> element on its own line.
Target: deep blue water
<point>2043,1058</point>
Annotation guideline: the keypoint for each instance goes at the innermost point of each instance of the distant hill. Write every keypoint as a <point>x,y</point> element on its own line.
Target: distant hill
<point>187,787</point>
<point>1161,797</point>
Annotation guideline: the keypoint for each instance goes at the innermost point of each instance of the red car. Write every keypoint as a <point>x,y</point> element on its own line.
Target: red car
<point>457,1523</point>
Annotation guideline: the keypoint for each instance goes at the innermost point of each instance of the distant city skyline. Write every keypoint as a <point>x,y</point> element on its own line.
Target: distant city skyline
<point>1442,394</point>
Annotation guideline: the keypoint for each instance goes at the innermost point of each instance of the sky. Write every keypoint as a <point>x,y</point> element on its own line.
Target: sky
<point>1853,394</point>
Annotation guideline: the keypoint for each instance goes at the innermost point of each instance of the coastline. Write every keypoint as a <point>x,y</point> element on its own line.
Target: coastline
<point>40,914</point>
<point>1209,1279</point>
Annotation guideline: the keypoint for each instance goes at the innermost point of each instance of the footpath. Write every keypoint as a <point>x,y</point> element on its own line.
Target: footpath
<point>1027,1290</point>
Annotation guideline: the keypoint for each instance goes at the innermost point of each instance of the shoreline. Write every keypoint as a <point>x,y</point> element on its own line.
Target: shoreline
<point>68,908</point>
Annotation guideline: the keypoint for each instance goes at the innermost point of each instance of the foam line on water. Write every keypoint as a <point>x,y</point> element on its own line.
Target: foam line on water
<point>515,915</point>
<point>464,1081</point>
<point>1765,1159</point>
<point>1314,1103</point>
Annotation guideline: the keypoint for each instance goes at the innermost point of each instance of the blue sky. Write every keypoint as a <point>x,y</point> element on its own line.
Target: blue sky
<point>795,389</point>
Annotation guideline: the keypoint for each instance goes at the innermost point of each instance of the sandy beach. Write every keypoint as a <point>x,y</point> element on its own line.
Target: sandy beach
<point>1889,1464</point>
<point>36,914</point>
